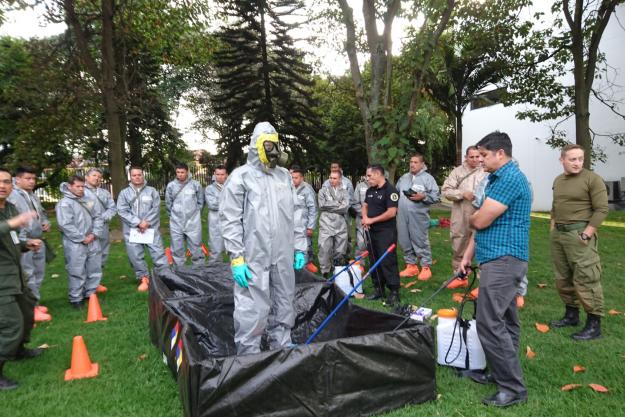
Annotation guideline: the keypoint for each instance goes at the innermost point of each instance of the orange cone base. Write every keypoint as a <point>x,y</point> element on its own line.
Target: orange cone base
<point>101,288</point>
<point>311,267</point>
<point>94,371</point>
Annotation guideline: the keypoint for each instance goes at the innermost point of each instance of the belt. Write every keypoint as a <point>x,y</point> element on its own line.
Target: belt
<point>562,227</point>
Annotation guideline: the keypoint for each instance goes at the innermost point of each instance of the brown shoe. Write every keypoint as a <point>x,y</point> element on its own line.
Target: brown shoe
<point>410,271</point>
<point>144,285</point>
<point>426,273</point>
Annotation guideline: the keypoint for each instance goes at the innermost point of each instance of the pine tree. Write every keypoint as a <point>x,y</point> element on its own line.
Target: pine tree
<point>261,76</point>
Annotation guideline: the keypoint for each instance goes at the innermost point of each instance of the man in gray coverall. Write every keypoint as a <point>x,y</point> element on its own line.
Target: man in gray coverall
<point>80,221</point>
<point>333,204</point>
<point>305,212</point>
<point>184,200</point>
<point>360,193</point>
<point>138,205</point>
<point>108,208</point>
<point>213,196</point>
<point>257,225</point>
<point>34,261</point>
<point>417,191</point>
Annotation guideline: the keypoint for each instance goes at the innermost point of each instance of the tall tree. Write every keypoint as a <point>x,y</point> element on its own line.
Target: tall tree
<point>389,123</point>
<point>260,76</point>
<point>573,37</point>
<point>477,51</point>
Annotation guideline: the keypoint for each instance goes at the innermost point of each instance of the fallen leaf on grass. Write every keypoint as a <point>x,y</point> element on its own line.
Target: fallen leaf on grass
<point>543,328</point>
<point>570,387</point>
<point>415,290</point>
<point>410,284</point>
<point>54,276</point>
<point>579,368</point>
<point>530,354</point>
<point>435,316</point>
<point>142,356</point>
<point>598,388</point>
<point>123,277</point>
<point>457,297</point>
<point>434,261</point>
<point>401,284</point>
<point>614,312</point>
<point>44,346</point>
<point>541,285</point>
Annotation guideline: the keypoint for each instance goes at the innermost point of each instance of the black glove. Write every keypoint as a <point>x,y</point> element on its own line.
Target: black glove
<point>409,192</point>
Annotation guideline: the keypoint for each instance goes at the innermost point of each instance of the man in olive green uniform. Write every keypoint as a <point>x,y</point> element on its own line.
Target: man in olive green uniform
<point>580,204</point>
<point>17,303</point>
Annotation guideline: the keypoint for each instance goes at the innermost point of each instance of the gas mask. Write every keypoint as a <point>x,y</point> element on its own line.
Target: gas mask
<point>269,150</point>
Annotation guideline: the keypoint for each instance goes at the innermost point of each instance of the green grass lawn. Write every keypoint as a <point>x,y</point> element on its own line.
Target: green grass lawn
<point>134,382</point>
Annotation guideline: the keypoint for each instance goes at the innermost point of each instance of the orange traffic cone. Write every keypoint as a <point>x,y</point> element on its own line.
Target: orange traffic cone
<point>81,363</point>
<point>205,250</point>
<point>101,289</point>
<point>94,313</point>
<point>188,254</point>
<point>170,259</point>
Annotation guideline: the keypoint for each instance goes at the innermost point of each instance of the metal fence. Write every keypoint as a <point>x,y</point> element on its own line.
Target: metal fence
<point>52,194</point>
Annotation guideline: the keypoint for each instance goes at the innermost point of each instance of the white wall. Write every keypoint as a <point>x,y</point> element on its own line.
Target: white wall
<point>537,160</point>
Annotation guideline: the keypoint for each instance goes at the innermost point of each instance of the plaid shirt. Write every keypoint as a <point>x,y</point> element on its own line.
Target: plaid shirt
<point>508,235</point>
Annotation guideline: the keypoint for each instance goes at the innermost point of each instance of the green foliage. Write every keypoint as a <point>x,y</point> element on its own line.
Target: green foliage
<point>342,122</point>
<point>46,109</point>
<point>260,76</point>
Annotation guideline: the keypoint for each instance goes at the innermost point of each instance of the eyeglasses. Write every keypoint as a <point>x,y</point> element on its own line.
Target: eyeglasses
<point>6,182</point>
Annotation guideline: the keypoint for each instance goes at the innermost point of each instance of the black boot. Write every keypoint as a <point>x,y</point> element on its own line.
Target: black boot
<point>592,329</point>
<point>377,295</point>
<point>571,318</point>
<point>25,353</point>
<point>393,299</point>
<point>5,383</point>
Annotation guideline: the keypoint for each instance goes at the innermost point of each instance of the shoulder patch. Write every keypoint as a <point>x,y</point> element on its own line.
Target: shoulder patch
<point>394,196</point>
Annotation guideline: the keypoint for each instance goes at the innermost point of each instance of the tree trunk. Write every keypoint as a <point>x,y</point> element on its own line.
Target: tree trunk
<point>458,124</point>
<point>265,66</point>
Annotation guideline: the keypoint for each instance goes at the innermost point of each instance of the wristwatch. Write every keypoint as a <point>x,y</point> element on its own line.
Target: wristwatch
<point>583,236</point>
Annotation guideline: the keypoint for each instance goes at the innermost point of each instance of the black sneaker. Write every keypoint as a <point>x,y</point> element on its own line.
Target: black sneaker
<point>393,299</point>
<point>6,384</point>
<point>25,353</point>
<point>78,305</point>
<point>377,295</point>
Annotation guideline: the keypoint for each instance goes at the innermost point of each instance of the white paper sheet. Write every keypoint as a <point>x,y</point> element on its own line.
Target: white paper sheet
<point>146,238</point>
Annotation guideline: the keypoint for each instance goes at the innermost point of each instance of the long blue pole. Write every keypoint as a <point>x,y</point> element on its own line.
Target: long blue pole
<point>344,300</point>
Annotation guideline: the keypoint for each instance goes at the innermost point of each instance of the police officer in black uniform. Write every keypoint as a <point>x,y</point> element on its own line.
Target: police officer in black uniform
<point>378,216</point>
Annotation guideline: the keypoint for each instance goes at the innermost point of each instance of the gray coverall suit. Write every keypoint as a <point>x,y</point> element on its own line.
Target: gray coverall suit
<point>347,185</point>
<point>360,193</point>
<point>33,262</point>
<point>108,208</point>
<point>256,218</point>
<point>333,204</point>
<point>213,196</point>
<point>306,214</point>
<point>77,218</point>
<point>184,202</point>
<point>413,217</point>
<point>133,206</point>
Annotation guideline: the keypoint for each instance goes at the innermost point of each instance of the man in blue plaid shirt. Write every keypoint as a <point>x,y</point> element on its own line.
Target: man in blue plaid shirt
<point>501,247</point>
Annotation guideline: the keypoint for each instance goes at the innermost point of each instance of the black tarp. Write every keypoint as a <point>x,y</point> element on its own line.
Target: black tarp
<point>357,366</point>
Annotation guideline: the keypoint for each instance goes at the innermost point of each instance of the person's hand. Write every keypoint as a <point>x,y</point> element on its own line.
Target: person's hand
<point>45,227</point>
<point>366,222</point>
<point>464,268</point>
<point>89,238</point>
<point>417,197</point>
<point>34,244</point>
<point>468,195</point>
<point>143,226</point>
<point>309,232</point>
<point>299,260</point>
<point>21,220</point>
<point>240,272</point>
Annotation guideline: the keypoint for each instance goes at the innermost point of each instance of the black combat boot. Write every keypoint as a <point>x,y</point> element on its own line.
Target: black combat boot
<point>393,299</point>
<point>377,295</point>
<point>592,329</point>
<point>5,383</point>
<point>25,353</point>
<point>571,318</point>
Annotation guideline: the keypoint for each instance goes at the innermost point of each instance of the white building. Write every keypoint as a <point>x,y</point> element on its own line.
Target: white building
<point>539,161</point>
